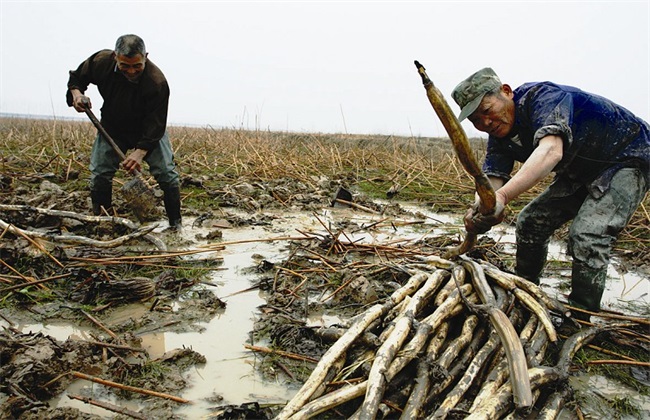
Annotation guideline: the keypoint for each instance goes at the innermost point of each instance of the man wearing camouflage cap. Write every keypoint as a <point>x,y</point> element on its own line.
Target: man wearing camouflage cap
<point>599,152</point>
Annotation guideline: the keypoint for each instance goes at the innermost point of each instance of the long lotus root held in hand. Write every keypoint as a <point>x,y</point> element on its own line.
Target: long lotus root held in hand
<point>465,156</point>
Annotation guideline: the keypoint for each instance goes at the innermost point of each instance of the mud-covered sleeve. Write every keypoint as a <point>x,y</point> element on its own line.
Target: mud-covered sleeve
<point>154,122</point>
<point>551,113</point>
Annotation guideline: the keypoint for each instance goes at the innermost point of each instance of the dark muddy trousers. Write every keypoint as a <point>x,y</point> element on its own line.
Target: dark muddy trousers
<point>104,162</point>
<point>596,224</point>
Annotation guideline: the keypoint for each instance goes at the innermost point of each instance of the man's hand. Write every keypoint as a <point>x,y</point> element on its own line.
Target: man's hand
<point>80,101</point>
<point>133,161</point>
<point>478,223</point>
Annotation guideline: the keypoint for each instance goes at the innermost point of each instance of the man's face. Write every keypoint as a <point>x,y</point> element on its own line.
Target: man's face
<point>496,113</point>
<point>131,67</point>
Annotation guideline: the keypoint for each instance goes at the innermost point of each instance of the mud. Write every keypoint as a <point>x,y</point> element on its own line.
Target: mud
<point>289,264</point>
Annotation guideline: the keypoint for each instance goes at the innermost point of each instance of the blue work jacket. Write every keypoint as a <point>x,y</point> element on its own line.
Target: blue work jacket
<point>599,136</point>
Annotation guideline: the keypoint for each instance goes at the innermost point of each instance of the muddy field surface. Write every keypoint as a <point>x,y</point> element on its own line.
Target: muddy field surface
<point>81,278</point>
<point>90,283</point>
<point>306,264</point>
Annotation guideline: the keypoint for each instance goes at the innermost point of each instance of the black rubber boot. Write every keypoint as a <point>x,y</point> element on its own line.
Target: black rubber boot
<point>587,287</point>
<point>172,200</point>
<point>530,261</point>
<point>101,199</point>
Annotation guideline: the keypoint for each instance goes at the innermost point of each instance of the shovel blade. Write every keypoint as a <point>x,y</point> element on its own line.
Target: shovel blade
<point>343,195</point>
<point>141,199</point>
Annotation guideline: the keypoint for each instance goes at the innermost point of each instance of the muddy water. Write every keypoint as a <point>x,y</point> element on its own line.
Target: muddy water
<point>625,291</point>
<point>230,375</point>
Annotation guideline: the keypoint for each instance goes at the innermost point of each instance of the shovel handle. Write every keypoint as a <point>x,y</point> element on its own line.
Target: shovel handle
<point>104,133</point>
<point>137,192</point>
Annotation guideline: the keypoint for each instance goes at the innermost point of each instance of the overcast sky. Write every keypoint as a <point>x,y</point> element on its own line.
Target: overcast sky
<point>326,67</point>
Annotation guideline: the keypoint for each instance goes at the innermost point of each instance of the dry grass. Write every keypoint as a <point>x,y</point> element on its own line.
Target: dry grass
<point>422,169</point>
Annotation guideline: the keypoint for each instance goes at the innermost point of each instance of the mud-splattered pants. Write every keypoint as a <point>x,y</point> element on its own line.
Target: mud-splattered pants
<point>104,162</point>
<point>596,224</point>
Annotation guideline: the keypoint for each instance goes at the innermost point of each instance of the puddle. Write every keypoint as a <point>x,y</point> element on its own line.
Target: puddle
<point>230,371</point>
<point>624,291</point>
<point>600,390</point>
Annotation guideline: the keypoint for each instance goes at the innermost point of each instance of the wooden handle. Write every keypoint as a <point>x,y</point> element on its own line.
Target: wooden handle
<point>104,133</point>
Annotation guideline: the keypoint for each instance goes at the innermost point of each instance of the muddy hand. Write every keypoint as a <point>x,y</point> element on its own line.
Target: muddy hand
<point>81,103</point>
<point>477,223</point>
<point>133,162</point>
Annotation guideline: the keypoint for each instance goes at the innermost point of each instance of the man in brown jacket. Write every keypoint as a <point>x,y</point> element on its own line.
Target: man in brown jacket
<point>134,113</point>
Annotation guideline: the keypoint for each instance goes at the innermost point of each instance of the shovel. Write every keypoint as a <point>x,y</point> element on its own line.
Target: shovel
<point>463,152</point>
<point>136,192</point>
<point>342,196</point>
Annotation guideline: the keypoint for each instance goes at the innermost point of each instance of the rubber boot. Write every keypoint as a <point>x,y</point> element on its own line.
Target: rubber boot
<point>587,287</point>
<point>172,201</point>
<point>530,261</point>
<point>101,198</point>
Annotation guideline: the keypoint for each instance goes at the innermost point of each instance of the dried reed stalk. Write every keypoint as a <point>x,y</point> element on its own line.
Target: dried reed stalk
<point>129,388</point>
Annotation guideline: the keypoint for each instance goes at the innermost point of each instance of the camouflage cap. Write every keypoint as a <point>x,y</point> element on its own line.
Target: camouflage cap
<point>469,93</point>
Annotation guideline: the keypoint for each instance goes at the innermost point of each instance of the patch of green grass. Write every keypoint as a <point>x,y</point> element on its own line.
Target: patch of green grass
<point>373,188</point>
<point>198,270</point>
<point>598,406</point>
<point>141,375</point>
<point>618,373</point>
<point>191,269</point>
<point>336,279</point>
<point>153,370</point>
<point>195,197</point>
<point>28,294</point>
<point>621,375</point>
<point>273,366</point>
<point>625,407</point>
<point>558,264</point>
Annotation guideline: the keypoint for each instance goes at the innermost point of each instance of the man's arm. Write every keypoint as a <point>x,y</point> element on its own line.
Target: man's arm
<point>79,100</point>
<point>133,161</point>
<point>540,163</point>
<point>81,77</point>
<point>474,220</point>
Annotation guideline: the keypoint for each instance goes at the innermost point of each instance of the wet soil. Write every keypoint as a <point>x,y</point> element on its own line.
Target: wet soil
<point>306,264</point>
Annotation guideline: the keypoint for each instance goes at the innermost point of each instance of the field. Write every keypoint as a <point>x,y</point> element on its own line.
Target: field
<point>422,170</point>
<point>43,174</point>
